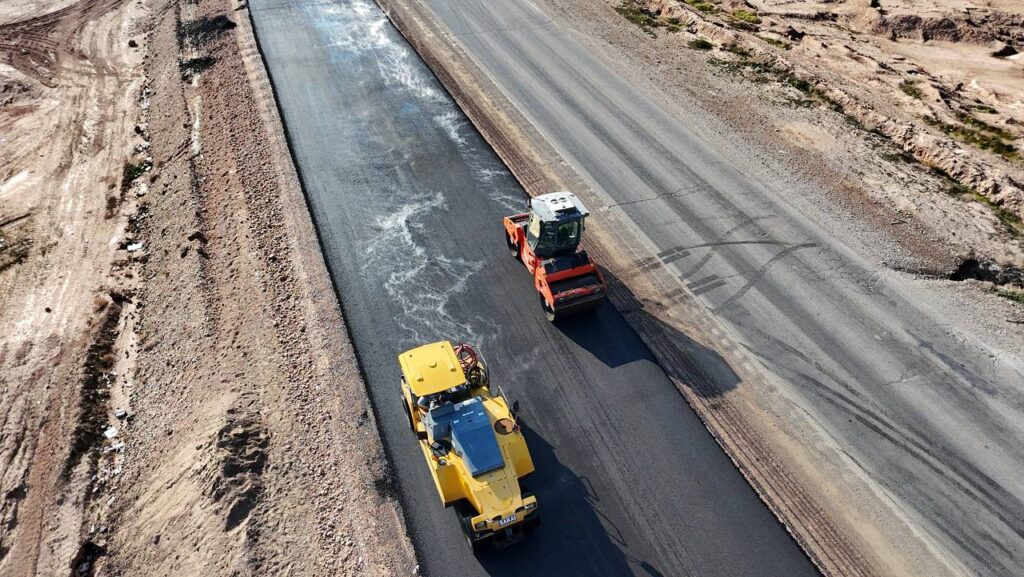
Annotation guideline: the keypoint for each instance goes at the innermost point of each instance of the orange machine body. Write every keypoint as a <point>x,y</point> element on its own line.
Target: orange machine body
<point>567,281</point>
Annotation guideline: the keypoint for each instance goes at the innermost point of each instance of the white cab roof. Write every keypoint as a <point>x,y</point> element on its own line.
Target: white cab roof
<point>557,205</point>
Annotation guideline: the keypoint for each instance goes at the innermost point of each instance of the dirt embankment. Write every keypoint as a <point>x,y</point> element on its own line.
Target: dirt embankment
<point>179,392</point>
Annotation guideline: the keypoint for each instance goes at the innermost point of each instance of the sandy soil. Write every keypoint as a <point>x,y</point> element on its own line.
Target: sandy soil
<point>178,392</point>
<point>159,274</point>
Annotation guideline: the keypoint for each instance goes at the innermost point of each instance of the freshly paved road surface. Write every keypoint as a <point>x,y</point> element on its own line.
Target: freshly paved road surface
<point>408,200</point>
<point>934,415</point>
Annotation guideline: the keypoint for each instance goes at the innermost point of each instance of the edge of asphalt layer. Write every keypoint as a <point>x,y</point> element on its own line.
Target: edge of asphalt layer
<point>831,550</point>
<point>276,118</point>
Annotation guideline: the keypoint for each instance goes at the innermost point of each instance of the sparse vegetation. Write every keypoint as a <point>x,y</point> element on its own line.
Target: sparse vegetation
<point>13,251</point>
<point>897,156</point>
<point>909,87</point>
<point>643,18</point>
<point>1009,219</point>
<point>203,30</point>
<point>93,390</point>
<point>1009,292</point>
<point>746,16</point>
<point>132,171</point>
<point>762,72</point>
<point>797,82</point>
<point>982,125</point>
<point>113,201</point>
<point>647,21</point>
<point>979,134</point>
<point>757,70</point>
<point>960,190</point>
<point>708,7</point>
<point>190,68</point>
<point>776,42</point>
<point>737,50</point>
<point>983,108</point>
<point>744,19</point>
<point>700,44</point>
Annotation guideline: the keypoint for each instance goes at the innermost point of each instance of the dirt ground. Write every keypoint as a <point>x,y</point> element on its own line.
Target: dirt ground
<point>179,395</point>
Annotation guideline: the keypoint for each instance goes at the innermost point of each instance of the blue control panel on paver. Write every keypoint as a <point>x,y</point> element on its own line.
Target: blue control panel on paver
<point>472,435</point>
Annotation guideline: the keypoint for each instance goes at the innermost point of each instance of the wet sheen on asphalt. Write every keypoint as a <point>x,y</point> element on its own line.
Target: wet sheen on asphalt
<point>408,201</point>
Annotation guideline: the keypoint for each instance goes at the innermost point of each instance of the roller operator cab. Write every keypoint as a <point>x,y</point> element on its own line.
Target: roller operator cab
<point>546,240</point>
<point>471,441</point>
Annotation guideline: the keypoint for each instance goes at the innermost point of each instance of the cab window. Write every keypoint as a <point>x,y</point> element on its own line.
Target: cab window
<point>568,234</point>
<point>547,235</point>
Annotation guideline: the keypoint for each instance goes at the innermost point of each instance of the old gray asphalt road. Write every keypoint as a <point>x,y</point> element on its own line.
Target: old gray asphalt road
<point>931,413</point>
<point>408,200</point>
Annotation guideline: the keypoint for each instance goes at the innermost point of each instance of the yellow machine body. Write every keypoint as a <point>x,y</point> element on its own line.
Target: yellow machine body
<point>431,369</point>
<point>495,494</point>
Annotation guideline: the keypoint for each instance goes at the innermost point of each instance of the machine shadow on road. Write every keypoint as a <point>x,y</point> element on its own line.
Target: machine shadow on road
<point>574,537</point>
<point>612,339</point>
<point>606,335</point>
